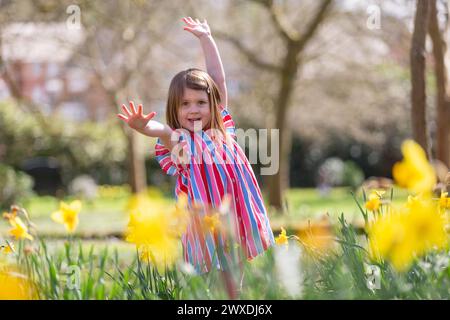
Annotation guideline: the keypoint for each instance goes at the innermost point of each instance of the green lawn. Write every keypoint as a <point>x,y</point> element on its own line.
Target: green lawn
<point>106,216</point>
<point>308,204</point>
<point>99,218</point>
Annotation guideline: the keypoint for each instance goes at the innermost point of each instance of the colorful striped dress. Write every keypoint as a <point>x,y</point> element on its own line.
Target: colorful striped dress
<point>212,169</point>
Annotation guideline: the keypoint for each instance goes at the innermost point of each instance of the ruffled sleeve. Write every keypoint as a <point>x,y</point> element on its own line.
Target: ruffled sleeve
<point>171,162</point>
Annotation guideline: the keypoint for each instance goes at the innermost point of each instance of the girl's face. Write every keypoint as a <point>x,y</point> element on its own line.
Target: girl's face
<point>194,110</point>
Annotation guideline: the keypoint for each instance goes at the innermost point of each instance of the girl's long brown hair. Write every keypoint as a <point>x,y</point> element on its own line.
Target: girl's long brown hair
<point>195,79</point>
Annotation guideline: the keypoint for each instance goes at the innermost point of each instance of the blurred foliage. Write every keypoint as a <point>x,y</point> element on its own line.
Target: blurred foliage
<point>335,172</point>
<point>80,148</point>
<point>358,79</point>
<point>353,176</point>
<point>14,186</point>
<point>307,156</point>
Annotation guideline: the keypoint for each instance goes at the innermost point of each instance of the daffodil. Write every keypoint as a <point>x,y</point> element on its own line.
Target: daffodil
<point>180,215</point>
<point>11,215</point>
<point>7,248</point>
<point>425,221</point>
<point>19,230</point>
<point>317,237</point>
<point>152,232</point>
<point>414,172</point>
<point>14,285</point>
<point>147,227</point>
<point>7,215</point>
<point>140,200</point>
<point>68,215</point>
<point>211,222</point>
<point>407,232</point>
<point>374,201</point>
<point>282,238</point>
<point>444,200</point>
<point>159,255</point>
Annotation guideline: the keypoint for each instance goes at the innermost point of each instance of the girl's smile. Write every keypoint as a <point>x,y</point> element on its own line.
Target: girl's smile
<point>194,113</point>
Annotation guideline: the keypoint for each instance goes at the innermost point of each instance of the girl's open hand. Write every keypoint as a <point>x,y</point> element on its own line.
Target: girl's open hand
<point>135,118</point>
<point>199,29</point>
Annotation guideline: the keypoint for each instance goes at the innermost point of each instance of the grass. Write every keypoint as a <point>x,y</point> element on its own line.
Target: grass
<point>308,204</point>
<point>106,216</point>
<point>99,218</point>
<point>109,268</point>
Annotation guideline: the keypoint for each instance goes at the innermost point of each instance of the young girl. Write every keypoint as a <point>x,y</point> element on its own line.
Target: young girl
<point>198,145</point>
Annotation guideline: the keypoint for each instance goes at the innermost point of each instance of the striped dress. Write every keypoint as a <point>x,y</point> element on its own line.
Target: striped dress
<point>213,168</point>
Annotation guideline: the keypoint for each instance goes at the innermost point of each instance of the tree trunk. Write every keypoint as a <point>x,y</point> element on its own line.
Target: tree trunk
<point>136,165</point>
<point>280,181</point>
<point>418,93</point>
<point>443,88</point>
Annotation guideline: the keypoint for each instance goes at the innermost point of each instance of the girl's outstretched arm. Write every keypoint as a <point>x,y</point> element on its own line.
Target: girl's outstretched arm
<point>144,124</point>
<point>214,65</point>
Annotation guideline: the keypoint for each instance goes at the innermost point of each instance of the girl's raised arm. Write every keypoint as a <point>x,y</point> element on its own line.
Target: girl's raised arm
<point>214,65</point>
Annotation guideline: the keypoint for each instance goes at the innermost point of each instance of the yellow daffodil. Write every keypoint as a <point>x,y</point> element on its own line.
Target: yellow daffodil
<point>414,199</point>
<point>428,225</point>
<point>140,200</point>
<point>19,230</point>
<point>160,255</point>
<point>317,237</point>
<point>180,215</point>
<point>282,238</point>
<point>407,232</point>
<point>147,227</point>
<point>7,215</point>
<point>414,172</point>
<point>374,202</point>
<point>68,215</point>
<point>153,231</point>
<point>444,201</point>
<point>14,285</point>
<point>7,248</point>
<point>384,234</point>
<point>182,202</point>
<point>211,222</point>
<point>11,215</point>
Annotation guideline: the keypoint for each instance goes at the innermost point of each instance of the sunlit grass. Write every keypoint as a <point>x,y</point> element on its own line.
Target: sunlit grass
<point>309,204</point>
<point>106,216</point>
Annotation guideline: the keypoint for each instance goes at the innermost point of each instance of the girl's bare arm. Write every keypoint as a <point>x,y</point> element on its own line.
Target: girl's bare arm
<point>213,62</point>
<point>144,124</point>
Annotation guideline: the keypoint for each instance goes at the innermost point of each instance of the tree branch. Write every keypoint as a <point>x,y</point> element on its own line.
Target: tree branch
<point>251,56</point>
<point>321,13</point>
<point>286,33</point>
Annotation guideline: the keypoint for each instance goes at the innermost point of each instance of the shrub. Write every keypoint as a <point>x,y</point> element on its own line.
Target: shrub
<point>14,186</point>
